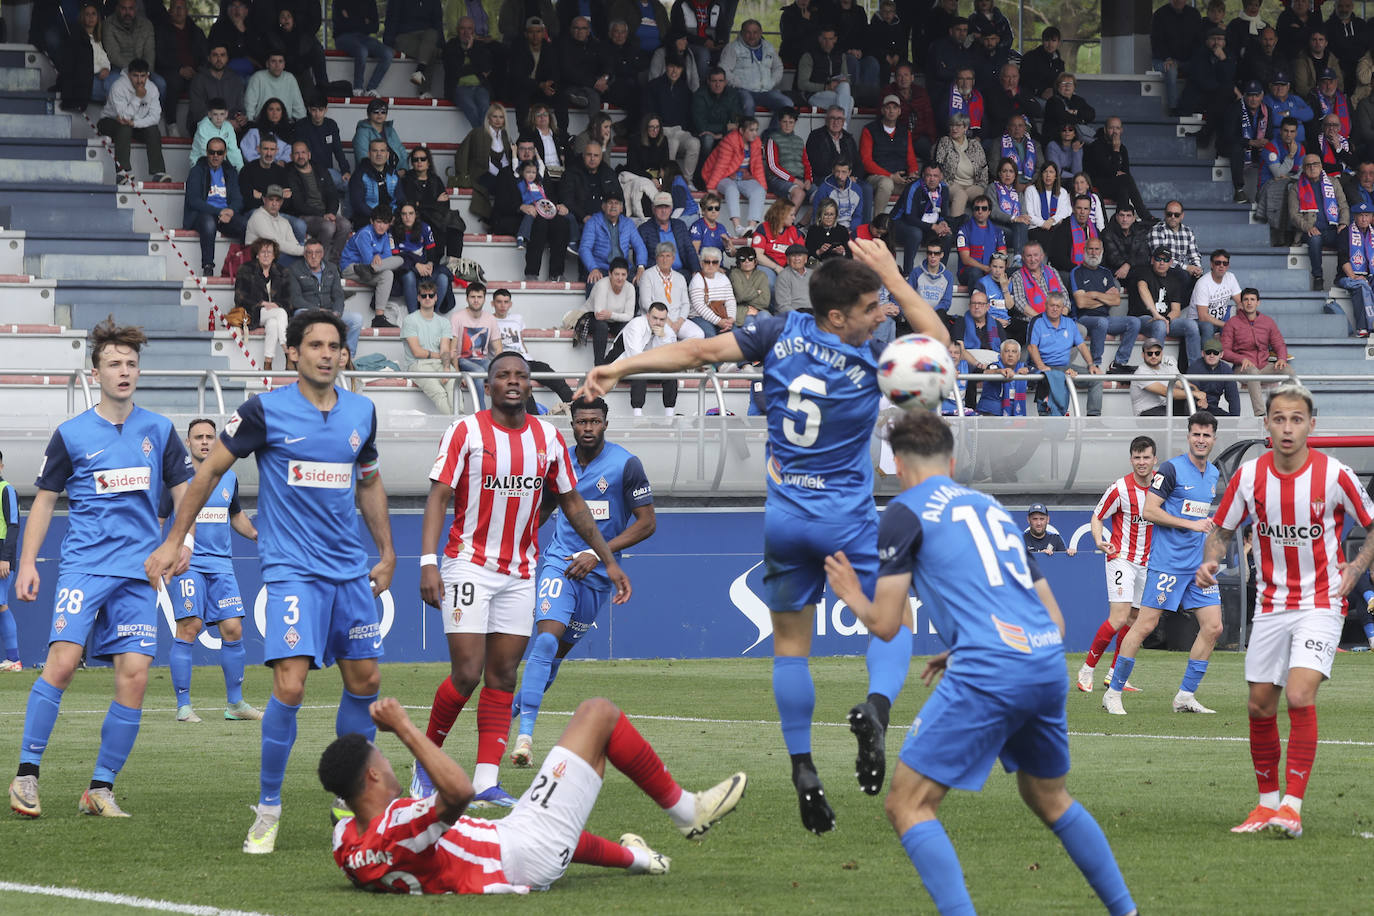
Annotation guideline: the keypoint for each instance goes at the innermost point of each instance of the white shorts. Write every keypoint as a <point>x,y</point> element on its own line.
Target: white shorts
<point>540,834</point>
<point>478,600</point>
<point>1125,582</point>
<point>1295,639</point>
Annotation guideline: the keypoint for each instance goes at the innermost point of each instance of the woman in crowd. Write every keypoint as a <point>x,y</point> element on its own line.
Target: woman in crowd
<point>1047,205</point>
<point>550,143</point>
<point>1067,107</point>
<point>600,128</point>
<point>774,234</point>
<point>263,288</point>
<point>712,296</point>
<point>272,120</point>
<point>413,240</point>
<point>427,191</point>
<point>752,294</point>
<point>1066,150</point>
<point>1081,185</point>
<point>485,151</point>
<point>964,163</point>
<point>1007,212</point>
<point>644,162</point>
<point>827,238</point>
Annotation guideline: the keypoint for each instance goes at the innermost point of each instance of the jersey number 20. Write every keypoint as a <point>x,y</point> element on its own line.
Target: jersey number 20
<point>1009,547</point>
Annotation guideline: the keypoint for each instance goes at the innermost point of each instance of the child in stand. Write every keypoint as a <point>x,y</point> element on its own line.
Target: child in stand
<point>531,192</point>
<point>953,405</point>
<point>214,125</point>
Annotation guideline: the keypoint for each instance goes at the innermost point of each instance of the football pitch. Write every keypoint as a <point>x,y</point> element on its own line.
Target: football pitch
<point>1165,787</point>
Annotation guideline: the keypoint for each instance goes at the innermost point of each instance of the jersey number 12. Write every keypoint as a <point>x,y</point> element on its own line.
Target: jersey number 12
<point>1009,547</point>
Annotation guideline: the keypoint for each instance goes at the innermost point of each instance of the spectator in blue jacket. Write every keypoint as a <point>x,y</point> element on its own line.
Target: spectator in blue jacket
<point>664,228</point>
<point>1283,103</point>
<point>375,182</point>
<point>934,281</point>
<point>376,126</point>
<point>922,215</point>
<point>609,235</point>
<point>370,258</point>
<point>214,202</point>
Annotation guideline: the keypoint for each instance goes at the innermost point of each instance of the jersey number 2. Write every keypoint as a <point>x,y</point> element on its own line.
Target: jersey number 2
<point>1009,546</point>
<point>806,428</point>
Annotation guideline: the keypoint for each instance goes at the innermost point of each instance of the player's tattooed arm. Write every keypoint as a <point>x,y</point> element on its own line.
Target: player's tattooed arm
<point>1213,549</point>
<point>372,503</point>
<point>1351,570</point>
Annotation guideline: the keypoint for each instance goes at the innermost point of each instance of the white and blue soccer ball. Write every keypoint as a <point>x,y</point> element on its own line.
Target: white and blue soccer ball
<point>915,372</point>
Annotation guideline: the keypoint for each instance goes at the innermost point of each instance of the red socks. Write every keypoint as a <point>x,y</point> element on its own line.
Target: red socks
<point>1120,635</point>
<point>1265,751</point>
<point>1302,748</point>
<point>632,755</point>
<point>1100,643</point>
<point>448,702</point>
<point>493,724</point>
<point>597,850</point>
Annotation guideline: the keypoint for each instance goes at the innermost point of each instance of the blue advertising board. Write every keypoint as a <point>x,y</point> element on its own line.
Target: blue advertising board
<point>697,594</point>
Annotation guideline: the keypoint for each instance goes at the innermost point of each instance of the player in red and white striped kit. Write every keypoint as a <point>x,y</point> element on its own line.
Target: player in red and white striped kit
<point>1127,551</point>
<point>1298,499</point>
<point>495,467</point>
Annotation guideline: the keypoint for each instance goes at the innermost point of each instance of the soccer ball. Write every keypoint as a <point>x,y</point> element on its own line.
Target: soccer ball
<point>915,371</point>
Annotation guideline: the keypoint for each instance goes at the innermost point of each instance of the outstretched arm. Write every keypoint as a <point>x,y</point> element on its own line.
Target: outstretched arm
<point>451,784</point>
<point>675,357</point>
<point>1213,549</point>
<point>162,562</point>
<point>918,312</point>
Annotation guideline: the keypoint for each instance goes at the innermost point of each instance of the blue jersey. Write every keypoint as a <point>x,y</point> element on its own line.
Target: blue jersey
<point>975,580</point>
<point>613,486</point>
<point>308,464</point>
<point>214,549</point>
<point>1187,493</point>
<point>821,400</point>
<point>114,476</point>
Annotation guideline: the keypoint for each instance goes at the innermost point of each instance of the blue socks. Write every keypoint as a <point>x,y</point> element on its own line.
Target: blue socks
<point>1192,675</point>
<point>180,663</point>
<point>9,636</point>
<point>929,849</point>
<point>116,741</point>
<point>231,659</point>
<point>538,676</point>
<point>795,694</point>
<point>888,662</point>
<point>278,734</point>
<point>1122,672</point>
<point>353,716</point>
<point>39,718</point>
<point>1087,845</point>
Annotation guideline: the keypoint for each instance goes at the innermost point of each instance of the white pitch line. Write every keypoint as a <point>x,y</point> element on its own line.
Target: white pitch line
<point>144,903</point>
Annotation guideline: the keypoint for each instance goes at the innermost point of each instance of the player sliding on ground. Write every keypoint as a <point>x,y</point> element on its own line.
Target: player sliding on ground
<point>1003,690</point>
<point>426,845</point>
<point>1298,498</point>
<point>821,390</point>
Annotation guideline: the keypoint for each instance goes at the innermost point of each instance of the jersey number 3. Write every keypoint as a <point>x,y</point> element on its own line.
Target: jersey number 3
<point>1009,548</point>
<point>806,428</point>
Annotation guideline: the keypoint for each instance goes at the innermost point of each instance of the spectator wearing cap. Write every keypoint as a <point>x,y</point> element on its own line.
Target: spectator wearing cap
<point>1155,388</point>
<point>1221,388</point>
<point>1216,296</point>
<point>609,235</point>
<point>376,126</point>
<point>754,69</point>
<point>1315,59</point>
<point>1281,163</point>
<point>1247,342</point>
<point>792,290</point>
<point>532,74</point>
<point>1356,263</point>
<point>1282,103</point>
<point>735,167</point>
<point>416,29</point>
<point>887,154</point>
<point>1096,291</point>
<point>1244,137</point>
<point>1157,296</point>
<point>664,229</point>
<point>514,16</point>
<point>1211,83</point>
<point>1327,99</point>
<point>1318,211</point>
<point>1175,34</point>
<point>214,202</point>
<point>1040,536</point>
<point>1054,338</point>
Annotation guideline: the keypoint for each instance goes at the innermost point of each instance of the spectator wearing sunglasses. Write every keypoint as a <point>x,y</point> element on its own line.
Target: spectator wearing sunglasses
<point>214,202</point>
<point>1216,296</point>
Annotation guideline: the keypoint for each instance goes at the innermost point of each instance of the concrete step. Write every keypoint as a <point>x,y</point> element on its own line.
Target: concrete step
<point>1328,326</point>
<point>12,253</point>
<point>101,267</point>
<point>25,103</point>
<point>58,126</point>
<point>41,347</point>
<point>63,149</point>
<point>80,244</point>
<point>25,299</point>
<point>153,303</point>
<point>41,172</point>
<point>105,219</point>
<point>20,79</point>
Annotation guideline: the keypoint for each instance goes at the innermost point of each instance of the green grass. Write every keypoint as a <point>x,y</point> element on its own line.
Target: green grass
<point>1165,804</point>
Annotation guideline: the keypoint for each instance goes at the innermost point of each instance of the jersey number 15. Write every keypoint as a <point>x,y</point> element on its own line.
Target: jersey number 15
<point>1009,548</point>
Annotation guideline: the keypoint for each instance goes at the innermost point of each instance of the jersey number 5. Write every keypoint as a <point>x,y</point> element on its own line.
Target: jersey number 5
<point>1009,547</point>
<point>806,428</point>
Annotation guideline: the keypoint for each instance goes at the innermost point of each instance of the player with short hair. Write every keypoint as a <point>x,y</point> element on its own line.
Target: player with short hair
<point>1179,507</point>
<point>494,468</point>
<point>9,542</point>
<point>573,589</point>
<point>428,846</point>
<point>1003,690</point>
<point>114,460</point>
<point>316,446</point>
<point>1127,552</point>
<point>821,393</point>
<point>208,591</point>
<point>1298,498</point>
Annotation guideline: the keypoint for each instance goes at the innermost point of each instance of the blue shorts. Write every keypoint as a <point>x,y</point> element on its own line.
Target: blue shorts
<point>322,621</point>
<point>794,552</point>
<point>575,603</point>
<point>962,729</point>
<point>211,596</point>
<point>118,615</point>
<point>1176,591</point>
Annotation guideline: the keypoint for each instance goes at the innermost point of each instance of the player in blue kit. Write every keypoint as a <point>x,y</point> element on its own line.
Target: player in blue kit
<point>821,391</point>
<point>314,443</point>
<point>114,461</point>
<point>9,542</point>
<point>208,593</point>
<point>1004,687</point>
<point>1179,505</point>
<point>573,589</point>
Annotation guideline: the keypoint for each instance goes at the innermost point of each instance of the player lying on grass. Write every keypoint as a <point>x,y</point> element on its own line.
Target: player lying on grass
<point>1003,691</point>
<point>426,845</point>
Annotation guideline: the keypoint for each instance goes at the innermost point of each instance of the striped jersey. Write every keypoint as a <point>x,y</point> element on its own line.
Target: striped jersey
<point>498,476</point>
<point>1124,505</point>
<point>1299,519</point>
<point>407,849</point>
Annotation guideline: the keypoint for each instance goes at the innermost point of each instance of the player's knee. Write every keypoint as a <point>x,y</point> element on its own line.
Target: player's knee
<point>1210,630</point>
<point>465,673</point>
<point>1262,708</point>
<point>231,629</point>
<point>545,645</point>
<point>188,628</point>
<point>600,709</point>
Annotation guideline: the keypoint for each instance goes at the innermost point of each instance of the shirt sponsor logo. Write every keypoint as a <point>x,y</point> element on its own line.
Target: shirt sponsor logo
<point>328,475</point>
<point>794,479</point>
<point>1291,535</point>
<point>643,491</point>
<point>366,631</point>
<point>365,857</point>
<point>1196,508</point>
<point>122,480</point>
<point>212,515</point>
<point>512,484</point>
<point>600,509</point>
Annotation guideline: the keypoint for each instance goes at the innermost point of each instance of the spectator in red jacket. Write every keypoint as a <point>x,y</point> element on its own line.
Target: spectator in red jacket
<point>1247,340</point>
<point>735,167</point>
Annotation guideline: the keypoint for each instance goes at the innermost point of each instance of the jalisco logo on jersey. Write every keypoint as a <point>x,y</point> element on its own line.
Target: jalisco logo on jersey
<point>329,475</point>
<point>122,480</point>
<point>512,484</point>
<point>1290,535</point>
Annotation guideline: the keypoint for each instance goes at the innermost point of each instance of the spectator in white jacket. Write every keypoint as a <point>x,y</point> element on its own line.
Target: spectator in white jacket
<point>712,296</point>
<point>134,109</point>
<point>268,223</point>
<point>644,332</point>
<point>661,283</point>
<point>753,67</point>
<point>612,304</point>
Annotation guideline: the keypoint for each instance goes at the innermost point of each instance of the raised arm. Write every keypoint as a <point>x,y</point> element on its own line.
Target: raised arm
<point>918,312</point>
